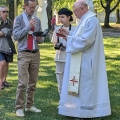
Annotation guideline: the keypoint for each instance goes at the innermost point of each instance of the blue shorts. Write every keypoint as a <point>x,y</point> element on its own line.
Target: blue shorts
<point>6,57</point>
<point>2,57</point>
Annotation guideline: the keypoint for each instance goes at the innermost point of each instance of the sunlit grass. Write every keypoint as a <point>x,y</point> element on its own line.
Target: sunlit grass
<point>46,97</point>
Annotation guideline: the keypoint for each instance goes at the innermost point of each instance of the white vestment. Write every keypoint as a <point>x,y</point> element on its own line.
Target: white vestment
<point>93,99</point>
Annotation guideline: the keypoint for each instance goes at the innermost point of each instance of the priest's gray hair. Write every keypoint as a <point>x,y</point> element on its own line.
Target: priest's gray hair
<point>2,6</point>
<point>82,3</point>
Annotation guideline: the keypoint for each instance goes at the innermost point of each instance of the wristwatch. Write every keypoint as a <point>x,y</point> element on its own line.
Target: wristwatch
<point>30,32</point>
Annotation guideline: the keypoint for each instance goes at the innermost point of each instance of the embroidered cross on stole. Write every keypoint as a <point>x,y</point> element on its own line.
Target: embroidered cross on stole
<point>74,76</point>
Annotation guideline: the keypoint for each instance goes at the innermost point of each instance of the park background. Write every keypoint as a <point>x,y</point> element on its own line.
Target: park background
<point>46,97</point>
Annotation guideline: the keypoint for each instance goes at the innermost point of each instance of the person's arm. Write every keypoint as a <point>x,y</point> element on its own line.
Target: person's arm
<point>18,31</point>
<point>85,40</point>
<point>1,34</point>
<point>54,38</point>
<point>7,31</point>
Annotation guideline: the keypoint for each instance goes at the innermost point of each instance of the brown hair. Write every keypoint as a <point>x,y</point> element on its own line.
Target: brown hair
<point>26,2</point>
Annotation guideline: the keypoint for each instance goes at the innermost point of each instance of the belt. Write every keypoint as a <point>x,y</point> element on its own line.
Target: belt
<point>31,51</point>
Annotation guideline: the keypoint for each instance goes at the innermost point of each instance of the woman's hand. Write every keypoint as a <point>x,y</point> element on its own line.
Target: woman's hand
<point>38,38</point>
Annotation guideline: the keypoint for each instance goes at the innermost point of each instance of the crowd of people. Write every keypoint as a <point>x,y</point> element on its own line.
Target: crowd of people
<point>80,60</point>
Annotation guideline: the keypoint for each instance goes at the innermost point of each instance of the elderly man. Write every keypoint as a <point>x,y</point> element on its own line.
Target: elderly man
<point>28,56</point>
<point>87,94</point>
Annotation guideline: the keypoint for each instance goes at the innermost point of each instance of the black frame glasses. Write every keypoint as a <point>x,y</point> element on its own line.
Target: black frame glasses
<point>31,7</point>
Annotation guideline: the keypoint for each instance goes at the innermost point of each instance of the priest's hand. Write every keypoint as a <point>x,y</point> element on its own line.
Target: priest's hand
<point>63,31</point>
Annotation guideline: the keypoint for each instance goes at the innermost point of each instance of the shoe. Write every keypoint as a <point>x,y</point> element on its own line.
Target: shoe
<point>20,113</point>
<point>1,86</point>
<point>6,84</point>
<point>33,109</point>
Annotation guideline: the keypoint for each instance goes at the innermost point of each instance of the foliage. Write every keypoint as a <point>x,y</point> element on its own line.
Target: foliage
<point>20,6</point>
<point>2,2</point>
<point>19,2</point>
<point>46,97</point>
<point>6,2</point>
<point>97,6</point>
<point>113,4</point>
<point>57,4</point>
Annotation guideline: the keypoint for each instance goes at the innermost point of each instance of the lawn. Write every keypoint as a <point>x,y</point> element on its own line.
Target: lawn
<point>46,97</point>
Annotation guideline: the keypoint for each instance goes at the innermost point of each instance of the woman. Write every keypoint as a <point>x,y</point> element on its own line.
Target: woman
<point>7,48</point>
<point>60,44</point>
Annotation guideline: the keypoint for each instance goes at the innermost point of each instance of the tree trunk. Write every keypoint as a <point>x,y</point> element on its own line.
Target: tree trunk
<point>117,16</point>
<point>49,12</point>
<point>106,22</point>
<point>11,8</point>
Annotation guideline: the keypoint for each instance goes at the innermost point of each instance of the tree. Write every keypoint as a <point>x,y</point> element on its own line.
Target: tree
<point>108,11</point>
<point>117,15</point>
<point>49,12</point>
<point>11,8</point>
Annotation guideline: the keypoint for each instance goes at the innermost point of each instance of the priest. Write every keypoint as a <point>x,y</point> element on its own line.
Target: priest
<point>85,91</point>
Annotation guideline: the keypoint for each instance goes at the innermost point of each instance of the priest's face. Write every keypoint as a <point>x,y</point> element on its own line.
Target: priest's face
<point>78,11</point>
<point>30,8</point>
<point>80,7</point>
<point>64,19</point>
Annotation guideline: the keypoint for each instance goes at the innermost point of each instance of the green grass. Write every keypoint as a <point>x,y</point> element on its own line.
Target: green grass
<point>46,97</point>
